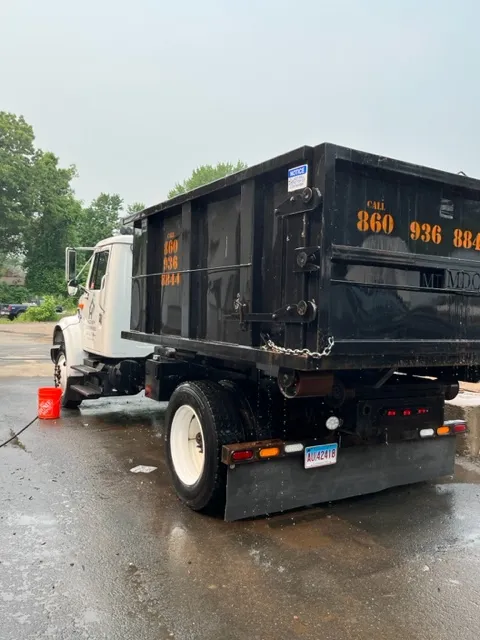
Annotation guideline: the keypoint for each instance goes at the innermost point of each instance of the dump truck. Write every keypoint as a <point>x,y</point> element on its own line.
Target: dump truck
<point>306,320</point>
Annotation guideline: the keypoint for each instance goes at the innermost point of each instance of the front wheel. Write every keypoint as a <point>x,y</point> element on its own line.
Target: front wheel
<point>61,380</point>
<point>201,418</point>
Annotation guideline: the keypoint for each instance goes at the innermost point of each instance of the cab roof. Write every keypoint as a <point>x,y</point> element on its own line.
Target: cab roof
<point>120,239</point>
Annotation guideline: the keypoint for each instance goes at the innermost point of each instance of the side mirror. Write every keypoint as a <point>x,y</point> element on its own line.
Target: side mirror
<point>70,263</point>
<point>72,288</point>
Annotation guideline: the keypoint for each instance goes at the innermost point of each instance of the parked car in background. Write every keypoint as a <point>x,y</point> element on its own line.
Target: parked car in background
<point>12,311</point>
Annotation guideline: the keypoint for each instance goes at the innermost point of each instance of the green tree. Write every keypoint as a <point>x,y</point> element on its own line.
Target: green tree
<point>135,207</point>
<point>39,213</point>
<point>13,294</point>
<point>38,209</point>
<point>51,227</point>
<point>17,162</point>
<point>99,220</point>
<point>205,174</point>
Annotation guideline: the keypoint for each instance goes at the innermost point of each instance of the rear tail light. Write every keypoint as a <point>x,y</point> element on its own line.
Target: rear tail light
<point>427,433</point>
<point>456,426</point>
<point>443,431</point>
<point>258,450</point>
<point>391,413</point>
<point>294,447</point>
<point>251,452</point>
<point>238,456</point>
<point>269,452</point>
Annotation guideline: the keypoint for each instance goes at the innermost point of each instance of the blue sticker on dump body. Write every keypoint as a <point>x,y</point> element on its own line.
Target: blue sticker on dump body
<point>297,177</point>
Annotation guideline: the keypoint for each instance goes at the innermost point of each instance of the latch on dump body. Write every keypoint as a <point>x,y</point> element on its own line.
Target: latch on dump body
<point>303,202</point>
<point>307,259</point>
<point>301,312</point>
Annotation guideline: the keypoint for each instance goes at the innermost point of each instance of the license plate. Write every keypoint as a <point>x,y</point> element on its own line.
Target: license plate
<point>320,455</point>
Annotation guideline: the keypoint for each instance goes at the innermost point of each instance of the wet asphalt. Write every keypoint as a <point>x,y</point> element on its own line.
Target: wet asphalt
<point>90,550</point>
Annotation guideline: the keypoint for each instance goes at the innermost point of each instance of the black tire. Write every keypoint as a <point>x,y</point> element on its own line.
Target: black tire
<point>67,401</point>
<point>221,424</point>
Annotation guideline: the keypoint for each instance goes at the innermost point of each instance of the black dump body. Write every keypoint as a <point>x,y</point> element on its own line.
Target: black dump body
<point>381,256</point>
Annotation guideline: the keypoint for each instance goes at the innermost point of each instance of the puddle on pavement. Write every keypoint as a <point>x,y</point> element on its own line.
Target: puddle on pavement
<point>466,472</point>
<point>112,414</point>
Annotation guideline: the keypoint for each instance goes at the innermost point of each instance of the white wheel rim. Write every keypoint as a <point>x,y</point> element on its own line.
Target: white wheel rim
<point>187,445</point>
<point>62,369</point>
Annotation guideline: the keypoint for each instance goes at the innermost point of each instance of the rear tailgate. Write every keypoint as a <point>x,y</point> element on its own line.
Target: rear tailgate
<point>405,255</point>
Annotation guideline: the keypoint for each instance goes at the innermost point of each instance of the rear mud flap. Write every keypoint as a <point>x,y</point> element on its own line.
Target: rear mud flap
<point>262,488</point>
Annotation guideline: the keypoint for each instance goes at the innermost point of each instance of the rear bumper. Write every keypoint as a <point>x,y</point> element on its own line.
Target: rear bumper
<point>278,485</point>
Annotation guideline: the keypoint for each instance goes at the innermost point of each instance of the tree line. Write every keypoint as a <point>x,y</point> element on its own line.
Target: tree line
<point>40,214</point>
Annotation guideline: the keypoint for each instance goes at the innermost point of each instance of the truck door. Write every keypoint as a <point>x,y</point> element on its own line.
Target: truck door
<point>94,307</point>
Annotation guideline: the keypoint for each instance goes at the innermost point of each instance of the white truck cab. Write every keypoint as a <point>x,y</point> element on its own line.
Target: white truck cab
<point>88,345</point>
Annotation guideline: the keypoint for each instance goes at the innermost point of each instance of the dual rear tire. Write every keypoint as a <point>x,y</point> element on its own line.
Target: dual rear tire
<point>201,417</point>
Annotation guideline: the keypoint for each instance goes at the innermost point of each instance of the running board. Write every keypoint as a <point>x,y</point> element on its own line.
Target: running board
<point>85,369</point>
<point>89,392</point>
<point>277,485</point>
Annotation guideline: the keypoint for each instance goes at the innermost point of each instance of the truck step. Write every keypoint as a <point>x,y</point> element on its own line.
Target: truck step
<point>84,368</point>
<point>89,392</point>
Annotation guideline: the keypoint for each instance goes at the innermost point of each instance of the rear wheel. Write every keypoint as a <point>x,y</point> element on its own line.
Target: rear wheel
<point>61,379</point>
<point>201,418</point>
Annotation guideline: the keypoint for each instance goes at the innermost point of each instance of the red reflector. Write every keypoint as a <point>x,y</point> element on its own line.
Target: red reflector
<point>242,455</point>
<point>391,413</point>
<point>422,412</point>
<point>407,412</point>
<point>459,428</point>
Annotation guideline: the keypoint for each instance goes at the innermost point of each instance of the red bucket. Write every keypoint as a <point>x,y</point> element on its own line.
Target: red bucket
<point>49,403</point>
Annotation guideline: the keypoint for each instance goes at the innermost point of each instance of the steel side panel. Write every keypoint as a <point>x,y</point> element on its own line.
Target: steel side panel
<point>279,485</point>
<point>378,288</point>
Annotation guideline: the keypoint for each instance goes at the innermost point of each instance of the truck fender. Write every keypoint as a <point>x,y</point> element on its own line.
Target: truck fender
<point>69,331</point>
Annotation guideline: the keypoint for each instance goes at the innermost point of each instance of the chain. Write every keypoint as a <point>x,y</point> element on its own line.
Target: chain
<point>270,345</point>
<point>56,375</point>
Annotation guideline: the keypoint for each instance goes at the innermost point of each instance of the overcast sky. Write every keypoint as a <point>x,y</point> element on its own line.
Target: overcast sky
<point>137,94</point>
